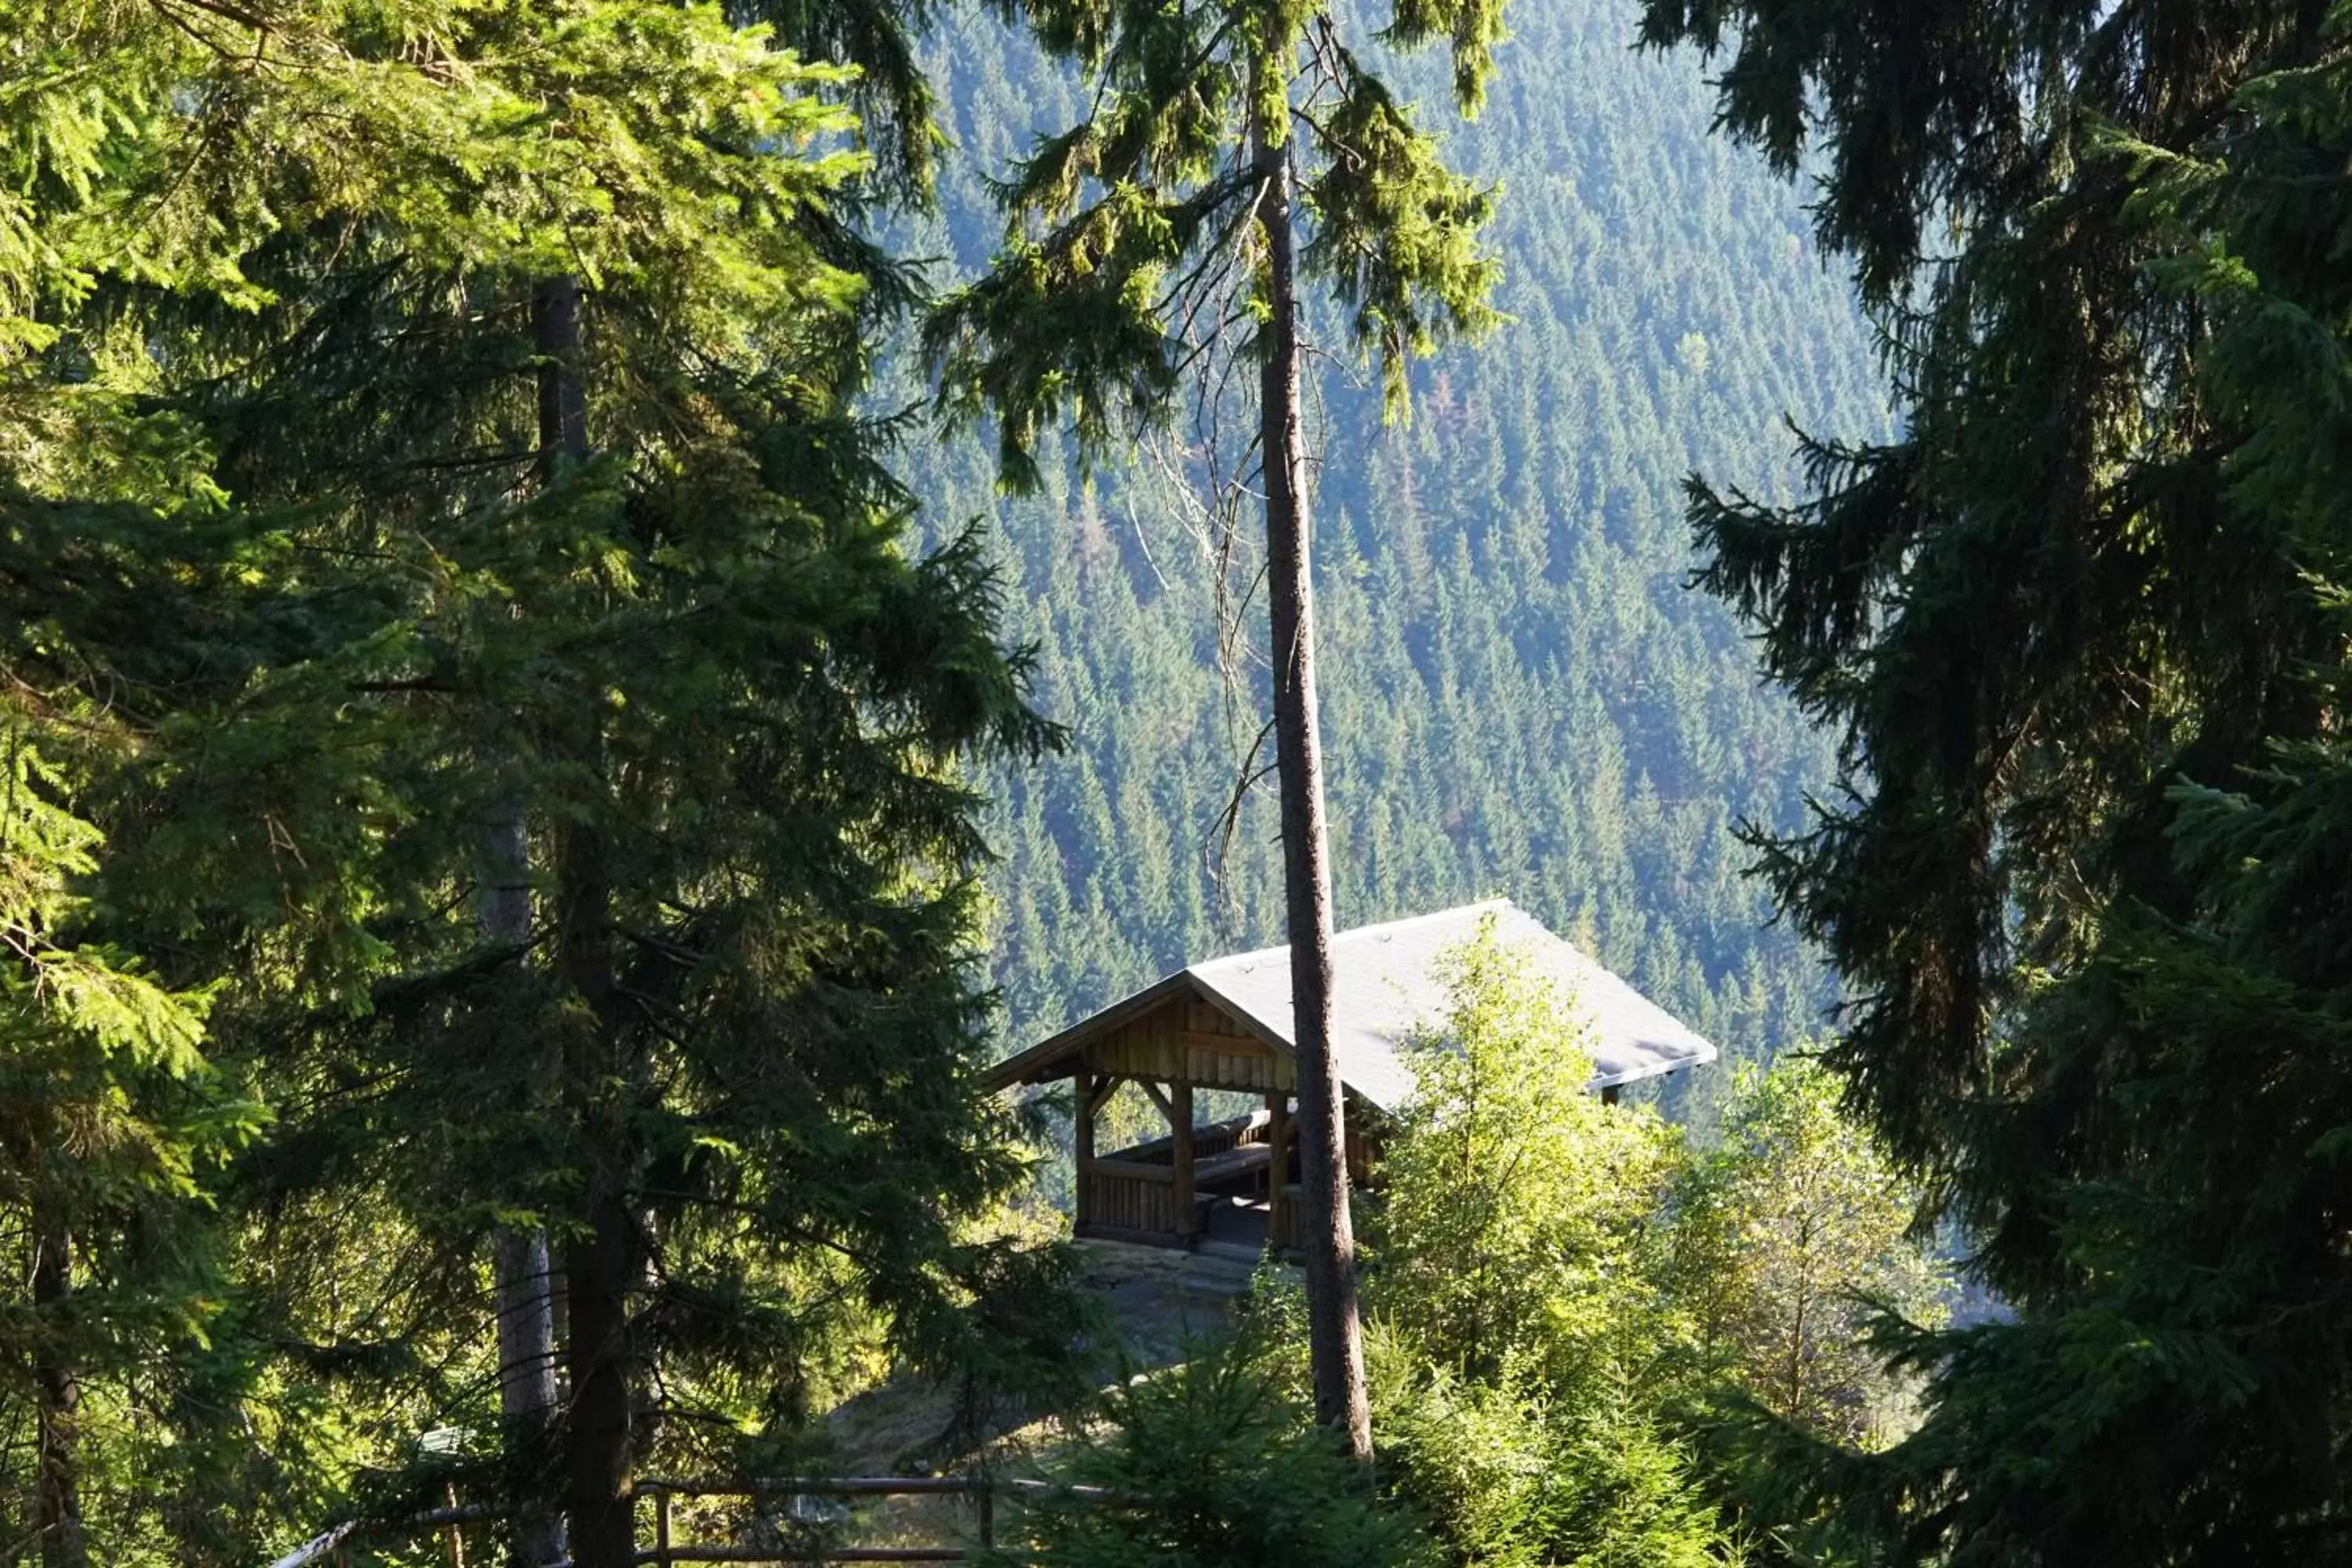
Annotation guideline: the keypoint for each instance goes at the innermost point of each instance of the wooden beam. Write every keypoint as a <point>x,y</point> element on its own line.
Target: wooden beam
<point>1179,1119</point>
<point>1104,1087</point>
<point>1223,1045</point>
<point>1133,1170</point>
<point>1249,1157</point>
<point>1159,1098</point>
<point>1128,1233</point>
<point>1082,1146</point>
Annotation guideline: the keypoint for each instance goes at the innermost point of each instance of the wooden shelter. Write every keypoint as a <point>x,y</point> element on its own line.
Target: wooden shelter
<point>1226,1025</point>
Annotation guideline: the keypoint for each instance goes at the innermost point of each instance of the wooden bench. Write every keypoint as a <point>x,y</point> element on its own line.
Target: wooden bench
<point>1240,1161</point>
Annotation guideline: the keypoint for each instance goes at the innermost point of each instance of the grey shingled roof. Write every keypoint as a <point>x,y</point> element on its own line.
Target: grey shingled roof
<point>1381,986</point>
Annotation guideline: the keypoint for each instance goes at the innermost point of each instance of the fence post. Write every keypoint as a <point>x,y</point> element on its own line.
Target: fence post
<point>987,1512</point>
<point>661,1526</point>
<point>454,1538</point>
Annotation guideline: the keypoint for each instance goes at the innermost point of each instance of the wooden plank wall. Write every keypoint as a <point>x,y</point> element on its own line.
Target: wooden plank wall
<point>1125,1200</point>
<point>1192,1042</point>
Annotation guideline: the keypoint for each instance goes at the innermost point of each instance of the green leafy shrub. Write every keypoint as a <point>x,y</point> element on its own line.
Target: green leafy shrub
<point>1525,1344</point>
<point>1513,1476</point>
<point>1213,1464</point>
<point>1790,1238</point>
<point>1517,1212</point>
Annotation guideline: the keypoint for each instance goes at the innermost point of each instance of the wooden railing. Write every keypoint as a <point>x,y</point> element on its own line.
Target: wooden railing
<point>665,1551</point>
<point>1215,1138</point>
<point>332,1549</point>
<point>1282,1219</point>
<point>1134,1189</point>
<point>1127,1196</point>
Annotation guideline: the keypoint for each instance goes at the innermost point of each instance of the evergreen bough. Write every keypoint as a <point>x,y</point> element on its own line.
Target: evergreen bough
<point>2080,631</point>
<point>280,508</point>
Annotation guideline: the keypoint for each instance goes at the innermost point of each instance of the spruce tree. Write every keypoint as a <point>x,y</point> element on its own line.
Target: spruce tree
<point>1223,136</point>
<point>110,1120</point>
<point>112,1117</point>
<point>2080,633</point>
<point>371,618</point>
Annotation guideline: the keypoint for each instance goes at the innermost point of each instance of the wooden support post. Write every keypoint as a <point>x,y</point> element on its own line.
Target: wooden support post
<point>1277,1178</point>
<point>987,1512</point>
<point>1082,1147</point>
<point>1083,1127</point>
<point>1179,1124</point>
<point>661,1528</point>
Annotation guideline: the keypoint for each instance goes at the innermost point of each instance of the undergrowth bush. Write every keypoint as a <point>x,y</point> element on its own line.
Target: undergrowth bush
<point>1216,1463</point>
<point>1511,1475</point>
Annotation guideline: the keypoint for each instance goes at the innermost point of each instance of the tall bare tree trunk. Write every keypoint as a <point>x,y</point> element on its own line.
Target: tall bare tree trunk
<point>57,1393</point>
<point>1335,1334</point>
<point>563,387</point>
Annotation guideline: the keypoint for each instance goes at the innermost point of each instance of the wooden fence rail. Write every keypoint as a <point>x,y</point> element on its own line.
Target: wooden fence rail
<point>332,1549</point>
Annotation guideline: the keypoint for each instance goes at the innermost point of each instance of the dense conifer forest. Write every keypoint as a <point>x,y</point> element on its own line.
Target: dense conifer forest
<point>607,605</point>
<point>1521,699</point>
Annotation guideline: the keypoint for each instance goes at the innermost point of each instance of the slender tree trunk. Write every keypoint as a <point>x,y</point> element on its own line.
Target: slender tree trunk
<point>563,389</point>
<point>1335,1336</point>
<point>603,1261</point>
<point>602,1256</point>
<point>529,1395</point>
<point>526,1323</point>
<point>58,1392</point>
<point>597,1264</point>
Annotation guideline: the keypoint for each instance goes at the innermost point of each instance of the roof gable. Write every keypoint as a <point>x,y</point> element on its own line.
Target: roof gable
<point>1383,986</point>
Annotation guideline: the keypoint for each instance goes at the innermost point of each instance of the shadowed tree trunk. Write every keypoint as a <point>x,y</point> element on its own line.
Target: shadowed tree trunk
<point>528,1393</point>
<point>603,1260</point>
<point>526,1325</point>
<point>59,1394</point>
<point>601,1256</point>
<point>1335,1334</point>
<point>527,1383</point>
<point>528,1390</point>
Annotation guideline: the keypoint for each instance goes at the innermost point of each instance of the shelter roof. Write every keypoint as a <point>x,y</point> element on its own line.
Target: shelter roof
<point>1383,986</point>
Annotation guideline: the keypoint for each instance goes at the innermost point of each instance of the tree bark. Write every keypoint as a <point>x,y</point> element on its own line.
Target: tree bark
<point>563,388</point>
<point>1335,1334</point>
<point>528,1394</point>
<point>603,1260</point>
<point>597,1266</point>
<point>602,1257</point>
<point>58,1405</point>
<point>526,1324</point>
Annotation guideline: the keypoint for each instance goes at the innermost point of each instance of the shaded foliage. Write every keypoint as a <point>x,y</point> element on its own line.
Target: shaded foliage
<point>1215,1462</point>
<point>2079,635</point>
<point>280,512</point>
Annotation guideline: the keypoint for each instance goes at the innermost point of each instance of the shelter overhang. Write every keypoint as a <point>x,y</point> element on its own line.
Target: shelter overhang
<point>1385,984</point>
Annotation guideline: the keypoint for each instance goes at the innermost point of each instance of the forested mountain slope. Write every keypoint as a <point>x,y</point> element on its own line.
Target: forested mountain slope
<point>1520,697</point>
